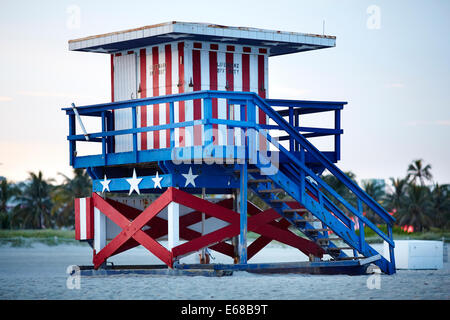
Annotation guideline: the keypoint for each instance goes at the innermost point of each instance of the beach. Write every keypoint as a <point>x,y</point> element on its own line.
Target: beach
<point>40,272</point>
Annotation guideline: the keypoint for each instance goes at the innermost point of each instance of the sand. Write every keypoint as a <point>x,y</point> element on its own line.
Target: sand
<point>40,273</point>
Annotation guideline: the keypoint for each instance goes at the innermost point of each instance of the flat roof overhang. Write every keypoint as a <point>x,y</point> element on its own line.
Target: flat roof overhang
<point>278,42</point>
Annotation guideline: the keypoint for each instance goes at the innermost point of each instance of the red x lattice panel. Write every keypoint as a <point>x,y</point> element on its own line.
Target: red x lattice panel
<point>131,221</point>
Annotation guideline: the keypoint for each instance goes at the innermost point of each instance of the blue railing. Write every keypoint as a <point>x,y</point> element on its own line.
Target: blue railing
<point>105,112</point>
<point>298,147</point>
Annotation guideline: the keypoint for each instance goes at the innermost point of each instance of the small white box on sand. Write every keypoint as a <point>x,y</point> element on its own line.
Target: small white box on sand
<point>417,254</point>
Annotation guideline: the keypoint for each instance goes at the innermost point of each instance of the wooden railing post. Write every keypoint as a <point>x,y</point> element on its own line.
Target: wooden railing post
<point>207,115</point>
<point>337,137</point>
<point>135,146</point>
<point>72,143</point>
<point>291,122</point>
<point>104,138</point>
<point>251,134</point>
<point>362,240</point>
<point>172,121</point>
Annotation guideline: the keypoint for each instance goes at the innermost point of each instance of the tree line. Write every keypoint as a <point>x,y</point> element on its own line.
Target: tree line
<point>413,200</point>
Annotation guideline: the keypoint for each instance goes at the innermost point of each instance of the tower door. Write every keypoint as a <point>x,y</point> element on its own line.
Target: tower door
<point>125,88</point>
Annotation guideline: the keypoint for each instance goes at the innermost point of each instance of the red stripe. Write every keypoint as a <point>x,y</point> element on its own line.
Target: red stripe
<point>262,94</point>
<point>130,52</point>
<point>213,86</point>
<point>181,90</point>
<point>247,49</point>
<point>196,75</point>
<point>118,54</point>
<point>230,48</point>
<point>262,50</point>
<point>77,219</point>
<point>245,72</point>
<point>230,87</point>
<point>89,219</point>
<point>168,56</point>
<point>261,85</point>
<point>197,45</point>
<point>214,47</point>
<point>155,69</point>
<point>112,78</point>
<point>143,86</point>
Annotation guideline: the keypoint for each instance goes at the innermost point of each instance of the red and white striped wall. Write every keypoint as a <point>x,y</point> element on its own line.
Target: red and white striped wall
<point>84,219</point>
<point>185,67</point>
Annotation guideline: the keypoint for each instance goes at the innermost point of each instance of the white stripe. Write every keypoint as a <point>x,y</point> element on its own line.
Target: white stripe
<point>99,230</point>
<point>175,89</point>
<point>221,103</point>
<point>138,109</point>
<point>149,94</point>
<point>189,106</point>
<point>162,92</point>
<point>83,219</point>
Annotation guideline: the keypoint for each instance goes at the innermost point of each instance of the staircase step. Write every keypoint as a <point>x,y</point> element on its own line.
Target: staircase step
<point>317,230</point>
<point>328,239</point>
<point>281,200</point>
<point>306,220</point>
<point>349,258</point>
<point>259,180</point>
<point>340,248</point>
<point>295,210</point>
<point>276,190</point>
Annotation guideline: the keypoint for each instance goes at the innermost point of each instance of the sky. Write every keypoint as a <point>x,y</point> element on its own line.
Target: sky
<point>391,64</point>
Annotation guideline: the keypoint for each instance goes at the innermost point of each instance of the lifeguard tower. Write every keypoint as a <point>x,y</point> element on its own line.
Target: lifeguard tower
<point>190,132</point>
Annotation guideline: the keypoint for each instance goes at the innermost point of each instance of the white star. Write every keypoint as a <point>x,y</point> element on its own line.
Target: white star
<point>157,181</point>
<point>134,183</point>
<point>105,184</point>
<point>190,177</point>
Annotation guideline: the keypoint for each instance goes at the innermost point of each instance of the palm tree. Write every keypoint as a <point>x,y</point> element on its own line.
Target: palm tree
<point>396,199</point>
<point>7,193</point>
<point>376,192</point>
<point>417,171</point>
<point>63,197</point>
<point>417,208</point>
<point>441,205</point>
<point>34,203</point>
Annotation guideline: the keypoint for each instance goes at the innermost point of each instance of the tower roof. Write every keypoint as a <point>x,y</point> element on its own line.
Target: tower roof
<point>279,42</point>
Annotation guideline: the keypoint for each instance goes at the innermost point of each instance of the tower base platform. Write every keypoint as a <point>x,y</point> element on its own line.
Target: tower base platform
<point>347,267</point>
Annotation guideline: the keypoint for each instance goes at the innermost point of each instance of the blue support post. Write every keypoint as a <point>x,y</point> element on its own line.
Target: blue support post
<point>291,122</point>
<point>207,115</point>
<point>172,120</point>
<point>243,216</point>
<point>251,134</point>
<point>243,117</point>
<point>72,143</point>
<point>135,146</point>
<point>302,174</point>
<point>110,127</point>
<point>391,249</point>
<point>362,240</point>
<point>104,138</point>
<point>337,137</point>
<point>296,124</point>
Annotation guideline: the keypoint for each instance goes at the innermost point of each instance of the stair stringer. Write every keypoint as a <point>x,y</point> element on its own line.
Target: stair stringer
<point>320,212</point>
